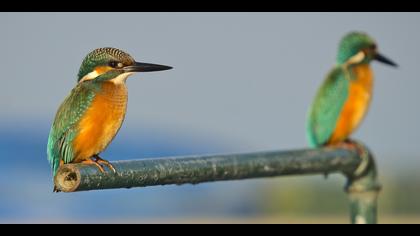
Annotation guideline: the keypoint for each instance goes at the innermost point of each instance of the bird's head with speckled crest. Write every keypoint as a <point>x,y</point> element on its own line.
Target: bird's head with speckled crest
<point>358,48</point>
<point>104,64</point>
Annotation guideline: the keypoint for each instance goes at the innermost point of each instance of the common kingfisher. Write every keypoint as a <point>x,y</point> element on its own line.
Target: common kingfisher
<point>343,99</point>
<point>92,114</point>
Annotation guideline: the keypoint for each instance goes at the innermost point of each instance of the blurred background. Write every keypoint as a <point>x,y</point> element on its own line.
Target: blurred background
<point>241,82</point>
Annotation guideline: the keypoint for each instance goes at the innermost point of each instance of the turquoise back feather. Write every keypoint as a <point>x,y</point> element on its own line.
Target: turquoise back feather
<point>326,108</point>
<point>64,128</point>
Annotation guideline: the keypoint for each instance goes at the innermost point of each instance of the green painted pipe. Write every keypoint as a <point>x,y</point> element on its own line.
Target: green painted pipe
<point>363,189</point>
<point>360,170</point>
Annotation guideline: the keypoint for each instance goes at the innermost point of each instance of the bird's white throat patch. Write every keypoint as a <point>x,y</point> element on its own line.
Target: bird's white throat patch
<point>121,78</point>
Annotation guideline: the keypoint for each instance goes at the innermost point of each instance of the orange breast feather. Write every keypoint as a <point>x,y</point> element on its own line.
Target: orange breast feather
<point>357,104</point>
<point>101,121</point>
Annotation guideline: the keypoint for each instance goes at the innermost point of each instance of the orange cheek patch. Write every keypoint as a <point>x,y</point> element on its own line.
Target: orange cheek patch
<point>102,69</point>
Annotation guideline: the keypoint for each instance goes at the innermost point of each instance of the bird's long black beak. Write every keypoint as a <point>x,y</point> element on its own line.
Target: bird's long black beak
<point>145,67</point>
<point>384,60</point>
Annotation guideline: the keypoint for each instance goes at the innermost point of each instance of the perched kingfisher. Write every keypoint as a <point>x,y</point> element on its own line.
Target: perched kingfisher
<point>93,112</point>
<point>343,99</point>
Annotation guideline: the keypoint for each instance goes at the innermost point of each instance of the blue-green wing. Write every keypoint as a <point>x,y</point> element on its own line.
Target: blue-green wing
<point>325,110</point>
<point>64,128</point>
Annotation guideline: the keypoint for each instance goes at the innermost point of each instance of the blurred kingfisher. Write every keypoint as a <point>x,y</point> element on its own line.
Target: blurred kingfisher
<point>343,99</point>
<point>93,112</point>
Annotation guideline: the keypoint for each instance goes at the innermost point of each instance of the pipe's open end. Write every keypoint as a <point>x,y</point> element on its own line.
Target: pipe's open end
<point>67,178</point>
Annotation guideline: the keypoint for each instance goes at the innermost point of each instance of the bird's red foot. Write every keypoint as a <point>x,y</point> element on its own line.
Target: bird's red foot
<point>99,160</point>
<point>91,162</point>
<point>56,190</point>
<point>349,143</point>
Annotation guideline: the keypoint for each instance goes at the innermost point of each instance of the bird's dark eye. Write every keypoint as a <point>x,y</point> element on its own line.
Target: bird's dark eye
<point>113,64</point>
<point>373,46</point>
<point>116,64</point>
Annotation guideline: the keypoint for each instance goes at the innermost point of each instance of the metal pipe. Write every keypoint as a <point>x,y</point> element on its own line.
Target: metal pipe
<point>363,189</point>
<point>207,168</point>
<point>354,161</point>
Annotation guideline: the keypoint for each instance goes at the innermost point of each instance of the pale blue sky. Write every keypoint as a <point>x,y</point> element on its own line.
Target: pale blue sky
<point>244,78</point>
